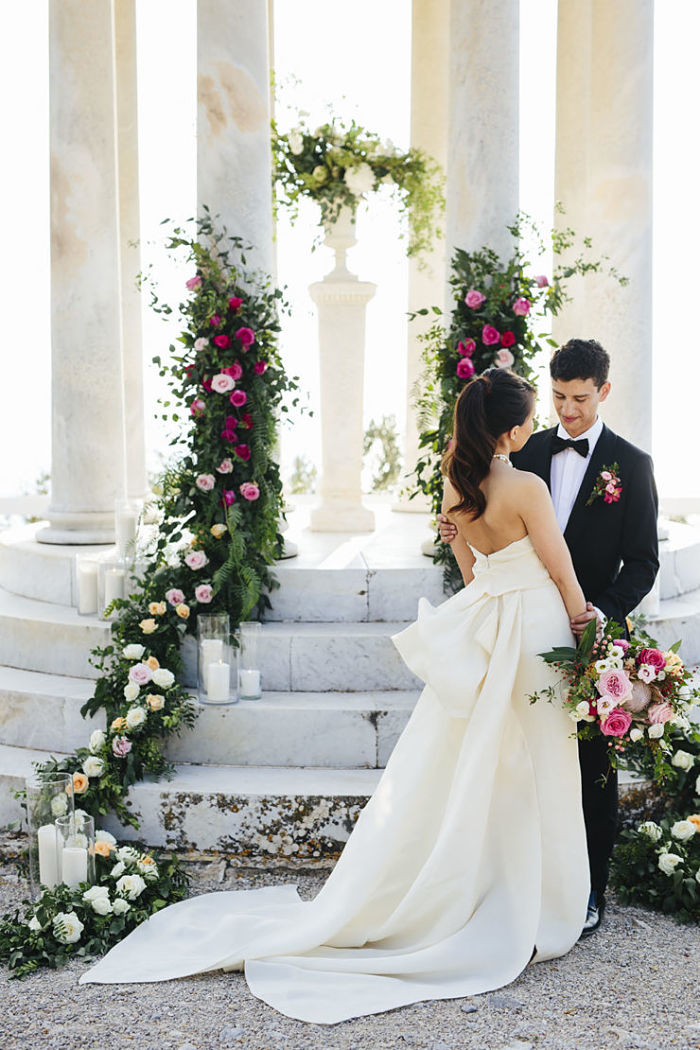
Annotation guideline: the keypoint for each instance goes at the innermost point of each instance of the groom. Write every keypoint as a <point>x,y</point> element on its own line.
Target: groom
<point>614,548</point>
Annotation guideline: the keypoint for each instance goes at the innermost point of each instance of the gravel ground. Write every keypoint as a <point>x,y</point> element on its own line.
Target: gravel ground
<point>634,984</point>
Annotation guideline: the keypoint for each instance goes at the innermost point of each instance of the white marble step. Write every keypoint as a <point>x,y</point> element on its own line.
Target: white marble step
<point>679,619</point>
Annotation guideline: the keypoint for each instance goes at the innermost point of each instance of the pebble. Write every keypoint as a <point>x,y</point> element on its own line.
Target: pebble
<point>505,1002</point>
<point>230,1035</point>
<point>187,1046</point>
<point>469,1008</point>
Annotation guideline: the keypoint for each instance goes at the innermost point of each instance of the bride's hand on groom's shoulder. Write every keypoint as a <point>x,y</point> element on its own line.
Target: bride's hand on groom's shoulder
<point>580,622</point>
<point>448,531</point>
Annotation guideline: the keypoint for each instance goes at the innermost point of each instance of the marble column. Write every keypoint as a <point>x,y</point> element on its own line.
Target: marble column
<point>233,121</point>
<point>426,276</point>
<point>129,237</point>
<point>88,451</point>
<point>617,177</point>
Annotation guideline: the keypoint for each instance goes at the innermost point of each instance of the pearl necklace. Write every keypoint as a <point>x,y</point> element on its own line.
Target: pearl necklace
<point>500,455</point>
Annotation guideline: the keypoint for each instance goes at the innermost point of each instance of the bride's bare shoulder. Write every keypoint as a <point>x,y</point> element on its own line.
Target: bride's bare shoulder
<point>529,486</point>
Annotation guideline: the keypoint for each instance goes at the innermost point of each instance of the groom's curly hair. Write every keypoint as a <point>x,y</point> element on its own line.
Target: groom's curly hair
<point>580,359</point>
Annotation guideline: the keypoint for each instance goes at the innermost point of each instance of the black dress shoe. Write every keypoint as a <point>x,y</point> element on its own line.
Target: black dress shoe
<point>594,916</point>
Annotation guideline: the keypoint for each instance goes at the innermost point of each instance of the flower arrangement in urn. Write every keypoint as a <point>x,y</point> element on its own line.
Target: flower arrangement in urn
<point>337,165</point>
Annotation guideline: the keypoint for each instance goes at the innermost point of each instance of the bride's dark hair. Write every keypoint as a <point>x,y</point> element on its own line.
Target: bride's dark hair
<point>489,405</point>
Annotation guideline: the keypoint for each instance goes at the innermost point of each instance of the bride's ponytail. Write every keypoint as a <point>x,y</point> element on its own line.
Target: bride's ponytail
<point>489,405</point>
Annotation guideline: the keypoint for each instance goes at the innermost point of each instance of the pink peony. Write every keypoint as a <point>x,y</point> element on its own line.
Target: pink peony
<point>466,347</point>
<point>242,451</point>
<point>474,299</point>
<point>228,497</point>
<point>541,281</point>
<point>234,370</point>
<point>196,559</point>
<point>121,746</point>
<point>235,303</point>
<point>203,593</point>
<point>205,482</point>
<point>617,723</point>
<point>214,320</point>
<point>521,307</point>
<point>140,674</point>
<point>490,335</point>
<point>238,398</point>
<point>465,368</point>
<point>504,359</point>
<point>249,490</point>
<point>246,336</point>
<point>614,683</point>
<point>660,713</point>
<point>507,338</point>
<point>225,467</point>
<point>222,341</point>
<point>654,657</point>
<point>198,407</point>
<point>260,367</point>
<point>222,383</point>
<point>201,343</point>
<point>194,282</point>
<point>174,596</point>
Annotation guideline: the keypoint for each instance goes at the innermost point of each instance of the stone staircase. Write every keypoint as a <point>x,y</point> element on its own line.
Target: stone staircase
<point>285,776</point>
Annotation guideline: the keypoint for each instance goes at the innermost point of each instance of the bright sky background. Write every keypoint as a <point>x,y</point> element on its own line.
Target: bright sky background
<point>360,64</point>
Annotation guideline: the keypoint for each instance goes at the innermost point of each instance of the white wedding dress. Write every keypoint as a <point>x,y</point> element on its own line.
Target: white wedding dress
<point>470,854</point>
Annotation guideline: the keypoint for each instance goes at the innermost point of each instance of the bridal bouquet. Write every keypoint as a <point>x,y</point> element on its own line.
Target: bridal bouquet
<point>632,692</point>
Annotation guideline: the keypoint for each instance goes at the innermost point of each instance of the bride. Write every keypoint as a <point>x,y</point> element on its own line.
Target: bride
<point>469,861</point>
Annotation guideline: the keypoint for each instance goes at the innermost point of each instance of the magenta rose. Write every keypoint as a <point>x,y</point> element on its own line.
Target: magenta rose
<point>617,723</point>
<point>197,407</point>
<point>222,341</point>
<point>234,370</point>
<point>214,320</point>
<point>249,491</point>
<point>222,383</point>
<point>121,747</point>
<point>174,596</point>
<point>203,593</point>
<point>229,435</point>
<point>465,368</point>
<point>614,683</point>
<point>246,336</point>
<point>474,299</point>
<point>242,451</point>
<point>196,560</point>
<point>246,421</point>
<point>466,347</point>
<point>238,398</point>
<point>141,674</point>
<point>260,367</point>
<point>206,383</point>
<point>504,359</point>
<point>228,497</point>
<point>205,482</point>
<point>660,713</point>
<point>490,335</point>
<point>194,282</point>
<point>225,467</point>
<point>541,281</point>
<point>235,303</point>
<point>521,307</point>
<point>654,657</point>
<point>507,339</point>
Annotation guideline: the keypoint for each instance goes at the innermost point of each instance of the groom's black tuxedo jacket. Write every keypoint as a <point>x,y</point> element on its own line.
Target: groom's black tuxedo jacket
<point>614,546</point>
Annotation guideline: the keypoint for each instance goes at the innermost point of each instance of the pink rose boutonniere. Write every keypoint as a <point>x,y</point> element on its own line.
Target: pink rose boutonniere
<point>607,486</point>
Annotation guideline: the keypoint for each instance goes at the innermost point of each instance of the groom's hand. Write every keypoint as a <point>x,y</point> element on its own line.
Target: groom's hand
<point>580,622</point>
<point>448,531</point>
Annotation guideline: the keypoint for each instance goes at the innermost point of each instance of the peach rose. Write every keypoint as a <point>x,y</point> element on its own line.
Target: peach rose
<point>80,783</point>
<point>152,662</point>
<point>118,725</point>
<point>155,702</point>
<point>694,818</point>
<point>157,608</point>
<point>148,626</point>
<point>183,611</point>
<point>102,848</point>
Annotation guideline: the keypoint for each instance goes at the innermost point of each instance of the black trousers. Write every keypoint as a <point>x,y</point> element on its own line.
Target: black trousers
<point>599,808</point>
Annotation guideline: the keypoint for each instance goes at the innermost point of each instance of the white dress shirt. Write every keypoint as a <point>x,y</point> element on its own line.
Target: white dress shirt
<point>568,468</point>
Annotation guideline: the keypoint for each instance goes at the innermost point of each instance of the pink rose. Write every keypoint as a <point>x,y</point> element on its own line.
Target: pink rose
<point>474,299</point>
<point>203,593</point>
<point>660,713</point>
<point>242,451</point>
<point>504,359</point>
<point>238,398</point>
<point>260,367</point>
<point>507,339</point>
<point>490,335</point>
<point>222,341</point>
<point>234,370</point>
<point>225,467</point>
<point>235,303</point>
<point>222,383</point>
<point>201,343</point>
<point>174,596</point>
<point>617,723</point>
<point>197,407</point>
<point>140,674</point>
<point>466,347</point>
<point>654,657</point>
<point>214,320</point>
<point>194,282</point>
<point>623,643</point>
<point>196,559</point>
<point>205,482</point>
<point>521,307</point>
<point>606,475</point>
<point>614,683</point>
<point>249,491</point>
<point>121,746</point>
<point>465,368</point>
<point>229,435</point>
<point>246,336</point>
<point>228,498</point>
<point>541,281</point>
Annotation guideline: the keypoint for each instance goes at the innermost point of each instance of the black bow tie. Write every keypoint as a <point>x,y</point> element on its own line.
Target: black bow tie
<point>560,443</point>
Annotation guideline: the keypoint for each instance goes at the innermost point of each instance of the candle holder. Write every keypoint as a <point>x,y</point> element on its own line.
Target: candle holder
<point>217,660</point>
<point>249,680</point>
<point>46,800</point>
<point>76,849</point>
<point>87,584</point>
<point>126,526</point>
<point>113,582</point>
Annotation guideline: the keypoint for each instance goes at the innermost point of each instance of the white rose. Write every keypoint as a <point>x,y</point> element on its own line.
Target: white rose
<point>97,740</point>
<point>59,805</point>
<point>93,766</point>
<point>680,722</point>
<point>118,869</point>
<point>683,830</point>
<point>104,836</point>
<point>636,734</point>
<point>683,760</point>
<point>134,651</point>
<point>697,785</point>
<point>697,875</point>
<point>296,141</point>
<point>67,927</point>
<point>668,862</point>
<point>582,708</point>
<point>163,677</point>
<point>131,886</point>
<point>359,180</point>
<point>128,855</point>
<point>131,691</point>
<point>35,925</point>
<point>656,731</point>
<point>98,898</point>
<point>135,717</point>
<point>651,829</point>
<point>120,906</point>
<point>149,868</point>
<point>574,716</point>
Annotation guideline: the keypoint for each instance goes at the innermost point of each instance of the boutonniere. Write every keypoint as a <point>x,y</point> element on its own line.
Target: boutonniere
<point>607,485</point>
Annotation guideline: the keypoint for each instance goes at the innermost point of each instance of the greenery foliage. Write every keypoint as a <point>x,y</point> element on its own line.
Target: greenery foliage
<point>381,439</point>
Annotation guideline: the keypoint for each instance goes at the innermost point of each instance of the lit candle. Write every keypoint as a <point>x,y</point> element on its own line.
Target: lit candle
<point>211,652</point>
<point>86,574</point>
<point>73,866</point>
<point>48,855</point>
<point>114,585</point>
<point>249,684</point>
<point>217,679</point>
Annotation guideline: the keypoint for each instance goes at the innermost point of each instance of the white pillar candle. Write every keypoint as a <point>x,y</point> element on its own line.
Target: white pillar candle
<point>48,855</point>
<point>217,678</point>
<point>86,575</point>
<point>73,866</point>
<point>114,585</point>
<point>211,652</point>
<point>249,683</point>
<point>125,528</point>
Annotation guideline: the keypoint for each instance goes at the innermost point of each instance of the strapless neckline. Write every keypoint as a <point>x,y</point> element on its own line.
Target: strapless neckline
<point>500,550</point>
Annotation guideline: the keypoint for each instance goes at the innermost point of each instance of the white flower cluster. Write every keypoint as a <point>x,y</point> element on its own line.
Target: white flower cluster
<point>359,180</point>
<point>682,831</point>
